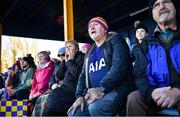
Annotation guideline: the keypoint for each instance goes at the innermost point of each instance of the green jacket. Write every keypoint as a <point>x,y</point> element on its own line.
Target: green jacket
<point>25,79</point>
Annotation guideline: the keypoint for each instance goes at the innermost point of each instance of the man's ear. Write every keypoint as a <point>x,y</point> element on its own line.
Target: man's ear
<point>105,31</point>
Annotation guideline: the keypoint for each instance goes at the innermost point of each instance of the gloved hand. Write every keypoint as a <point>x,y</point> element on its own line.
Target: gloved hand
<point>54,86</point>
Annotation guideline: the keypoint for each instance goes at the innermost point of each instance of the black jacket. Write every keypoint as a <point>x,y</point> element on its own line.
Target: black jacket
<point>55,79</point>
<point>74,68</point>
<point>1,82</point>
<point>118,77</point>
<point>61,98</point>
<point>139,59</point>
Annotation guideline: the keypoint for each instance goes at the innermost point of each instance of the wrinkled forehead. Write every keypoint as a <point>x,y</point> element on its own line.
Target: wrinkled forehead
<point>93,23</point>
<point>157,1</point>
<point>161,1</point>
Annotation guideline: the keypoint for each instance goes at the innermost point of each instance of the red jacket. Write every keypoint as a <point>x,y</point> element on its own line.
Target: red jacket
<point>41,79</point>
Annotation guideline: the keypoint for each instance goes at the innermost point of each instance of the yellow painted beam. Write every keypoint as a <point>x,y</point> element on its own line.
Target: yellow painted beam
<point>68,20</point>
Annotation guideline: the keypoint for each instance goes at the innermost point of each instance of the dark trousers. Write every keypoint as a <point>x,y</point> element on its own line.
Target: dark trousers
<point>33,101</point>
<point>137,106</point>
<point>22,94</point>
<point>31,104</point>
<point>60,100</point>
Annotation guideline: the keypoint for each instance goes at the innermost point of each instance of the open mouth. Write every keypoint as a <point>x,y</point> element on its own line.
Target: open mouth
<point>93,32</point>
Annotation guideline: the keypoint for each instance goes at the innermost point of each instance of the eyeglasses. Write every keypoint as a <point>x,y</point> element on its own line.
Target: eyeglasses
<point>59,55</point>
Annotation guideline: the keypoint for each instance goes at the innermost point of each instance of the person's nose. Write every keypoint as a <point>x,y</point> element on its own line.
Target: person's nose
<point>92,26</point>
<point>161,5</point>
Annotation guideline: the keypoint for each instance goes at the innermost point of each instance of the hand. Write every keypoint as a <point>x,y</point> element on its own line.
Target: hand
<point>80,102</point>
<point>30,97</point>
<point>166,97</point>
<point>11,92</point>
<point>69,55</point>
<point>156,93</point>
<point>66,57</point>
<point>93,94</point>
<point>54,86</point>
<point>172,97</point>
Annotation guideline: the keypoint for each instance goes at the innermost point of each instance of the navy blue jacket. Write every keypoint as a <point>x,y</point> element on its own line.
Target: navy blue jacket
<point>118,77</point>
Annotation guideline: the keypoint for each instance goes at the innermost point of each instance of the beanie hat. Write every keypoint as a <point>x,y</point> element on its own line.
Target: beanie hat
<point>61,50</point>
<point>87,45</point>
<point>100,21</point>
<point>29,59</point>
<point>151,2</point>
<point>141,25</point>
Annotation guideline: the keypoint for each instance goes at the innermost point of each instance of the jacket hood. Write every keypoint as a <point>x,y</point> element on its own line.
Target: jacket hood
<point>110,35</point>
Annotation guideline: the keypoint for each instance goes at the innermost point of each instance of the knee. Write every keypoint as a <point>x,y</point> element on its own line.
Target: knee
<point>76,113</point>
<point>133,97</point>
<point>92,108</point>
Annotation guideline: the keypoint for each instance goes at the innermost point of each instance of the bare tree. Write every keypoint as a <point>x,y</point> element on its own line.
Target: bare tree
<point>18,46</point>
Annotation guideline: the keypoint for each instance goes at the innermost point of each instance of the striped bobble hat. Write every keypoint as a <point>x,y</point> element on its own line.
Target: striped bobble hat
<point>100,21</point>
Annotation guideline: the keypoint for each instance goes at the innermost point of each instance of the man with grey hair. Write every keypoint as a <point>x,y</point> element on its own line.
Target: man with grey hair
<point>159,83</point>
<point>105,80</point>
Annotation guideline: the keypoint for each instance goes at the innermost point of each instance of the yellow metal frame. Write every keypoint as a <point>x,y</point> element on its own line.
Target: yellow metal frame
<point>0,45</point>
<point>68,20</point>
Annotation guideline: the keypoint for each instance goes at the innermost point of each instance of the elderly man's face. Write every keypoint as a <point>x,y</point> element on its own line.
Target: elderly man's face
<point>163,11</point>
<point>96,31</point>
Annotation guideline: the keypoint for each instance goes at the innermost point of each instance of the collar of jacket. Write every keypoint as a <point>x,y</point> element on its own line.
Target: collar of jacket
<point>25,70</point>
<point>154,39</point>
<point>77,54</point>
<point>136,43</point>
<point>42,66</point>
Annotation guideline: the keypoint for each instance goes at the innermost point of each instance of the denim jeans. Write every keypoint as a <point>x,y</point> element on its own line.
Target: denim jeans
<point>106,106</point>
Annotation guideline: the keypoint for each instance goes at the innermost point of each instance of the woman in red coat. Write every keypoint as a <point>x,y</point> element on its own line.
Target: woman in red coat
<point>42,76</point>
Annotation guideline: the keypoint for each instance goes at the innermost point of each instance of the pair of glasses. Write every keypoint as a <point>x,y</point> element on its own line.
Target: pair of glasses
<point>59,55</point>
